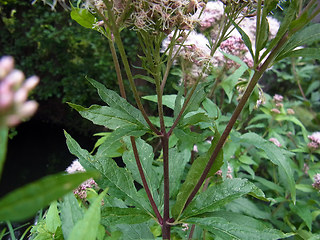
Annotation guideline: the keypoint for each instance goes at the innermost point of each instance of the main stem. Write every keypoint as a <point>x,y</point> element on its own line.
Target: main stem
<point>166,227</point>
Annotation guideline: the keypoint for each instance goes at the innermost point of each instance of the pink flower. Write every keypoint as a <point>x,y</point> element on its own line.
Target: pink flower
<point>316,183</point>
<point>81,191</point>
<point>275,141</point>
<point>315,137</point>
<point>14,91</point>
<point>277,98</point>
<point>274,110</point>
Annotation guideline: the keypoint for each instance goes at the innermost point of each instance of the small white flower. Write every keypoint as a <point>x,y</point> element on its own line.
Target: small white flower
<point>75,167</point>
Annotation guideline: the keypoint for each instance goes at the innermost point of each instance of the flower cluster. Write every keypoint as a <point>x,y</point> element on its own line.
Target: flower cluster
<point>153,15</point>
<point>314,141</point>
<point>229,172</point>
<point>316,183</point>
<point>81,191</point>
<point>278,99</point>
<point>14,91</point>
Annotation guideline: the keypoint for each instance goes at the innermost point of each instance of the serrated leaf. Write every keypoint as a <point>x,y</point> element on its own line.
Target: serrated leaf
<point>290,14</point>
<point>115,101</point>
<point>230,82</point>
<point>71,213</point>
<point>106,116</point>
<point>194,174</point>
<point>233,226</point>
<point>249,208</point>
<point>88,227</point>
<point>178,102</point>
<point>187,138</point>
<point>177,163</point>
<point>109,147</point>
<point>303,211</point>
<point>313,53</point>
<point>167,100</point>
<point>196,99</point>
<point>211,108</point>
<point>119,180</point>
<point>194,119</point>
<point>147,78</point>
<point>306,36</point>
<point>114,216</point>
<point>52,218</point>
<point>218,195</point>
<point>135,231</point>
<point>244,37</point>
<point>146,157</point>
<point>275,155</point>
<point>83,17</point>
<point>26,201</point>
<point>295,121</point>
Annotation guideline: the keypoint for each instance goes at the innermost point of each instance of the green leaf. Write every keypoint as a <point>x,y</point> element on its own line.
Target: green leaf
<point>177,164</point>
<point>303,211</point>
<point>106,116</point>
<point>196,99</point>
<point>136,231</point>
<point>211,108</point>
<point>147,78</point>
<point>192,119</point>
<point>269,185</point>
<point>230,82</point>
<point>187,138</point>
<point>146,157</point>
<point>295,121</point>
<point>88,227</point>
<point>115,101</point>
<point>263,34</point>
<point>304,52</point>
<point>290,14</point>
<point>244,37</point>
<point>306,36</point>
<point>167,100</point>
<point>119,180</point>
<point>227,225</point>
<point>52,218</point>
<point>249,208</point>
<point>3,146</point>
<point>218,195</point>
<point>194,174</point>
<point>110,146</point>
<point>26,201</point>
<point>275,155</point>
<point>71,213</point>
<point>83,17</point>
<point>115,215</point>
